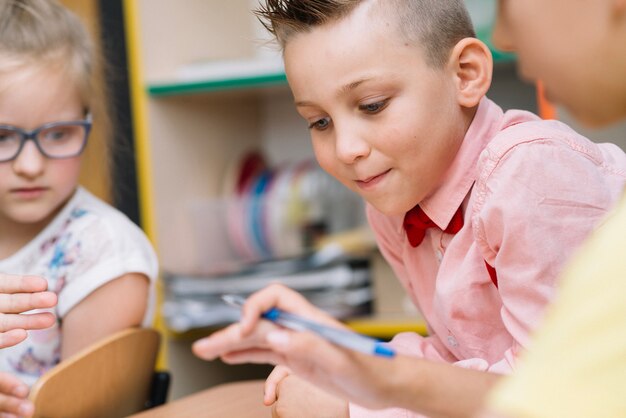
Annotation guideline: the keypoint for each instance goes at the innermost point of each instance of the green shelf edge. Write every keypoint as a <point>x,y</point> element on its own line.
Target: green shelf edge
<point>225,84</point>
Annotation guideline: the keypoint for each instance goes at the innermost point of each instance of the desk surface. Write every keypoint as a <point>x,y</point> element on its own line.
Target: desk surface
<point>238,399</point>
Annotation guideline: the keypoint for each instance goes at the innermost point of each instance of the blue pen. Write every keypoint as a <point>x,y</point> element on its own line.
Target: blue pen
<point>337,336</point>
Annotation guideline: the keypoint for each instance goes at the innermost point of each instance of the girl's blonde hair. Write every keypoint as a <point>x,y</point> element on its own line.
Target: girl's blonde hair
<point>433,25</point>
<point>39,34</point>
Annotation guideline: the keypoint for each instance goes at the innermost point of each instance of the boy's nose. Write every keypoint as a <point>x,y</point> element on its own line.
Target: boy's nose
<point>30,162</point>
<point>350,146</point>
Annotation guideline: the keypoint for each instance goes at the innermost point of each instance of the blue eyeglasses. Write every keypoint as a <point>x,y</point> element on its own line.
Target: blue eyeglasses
<point>54,140</point>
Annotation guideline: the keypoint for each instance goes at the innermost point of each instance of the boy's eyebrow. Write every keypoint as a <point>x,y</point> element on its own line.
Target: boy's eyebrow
<point>342,90</point>
<point>351,86</point>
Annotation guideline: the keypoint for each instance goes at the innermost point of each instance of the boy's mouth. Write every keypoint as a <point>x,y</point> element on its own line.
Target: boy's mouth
<point>370,181</point>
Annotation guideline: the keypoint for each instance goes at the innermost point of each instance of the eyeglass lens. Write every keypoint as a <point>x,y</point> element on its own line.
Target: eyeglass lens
<point>58,141</point>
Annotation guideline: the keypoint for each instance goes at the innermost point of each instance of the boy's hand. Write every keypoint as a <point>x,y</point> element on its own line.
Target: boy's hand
<point>21,294</point>
<point>13,395</point>
<point>246,341</point>
<point>281,297</point>
<point>345,373</point>
<point>299,399</point>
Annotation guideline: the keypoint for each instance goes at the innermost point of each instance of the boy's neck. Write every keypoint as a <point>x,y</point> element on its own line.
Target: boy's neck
<point>469,114</point>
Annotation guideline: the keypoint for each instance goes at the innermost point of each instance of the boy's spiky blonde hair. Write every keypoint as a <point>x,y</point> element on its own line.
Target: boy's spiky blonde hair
<point>435,25</point>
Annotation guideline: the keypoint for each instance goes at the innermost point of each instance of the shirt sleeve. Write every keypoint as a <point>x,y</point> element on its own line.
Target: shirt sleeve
<point>577,362</point>
<point>106,249</point>
<point>536,204</point>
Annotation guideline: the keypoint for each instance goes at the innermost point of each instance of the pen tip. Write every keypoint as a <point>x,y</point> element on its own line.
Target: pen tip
<point>234,300</point>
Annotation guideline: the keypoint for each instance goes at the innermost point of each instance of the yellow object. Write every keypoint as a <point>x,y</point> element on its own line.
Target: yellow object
<point>353,241</point>
<point>576,365</point>
<point>386,328</point>
<point>111,378</point>
<point>142,149</point>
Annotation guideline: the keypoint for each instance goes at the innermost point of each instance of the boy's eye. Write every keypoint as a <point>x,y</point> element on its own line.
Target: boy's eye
<point>320,124</point>
<point>373,107</point>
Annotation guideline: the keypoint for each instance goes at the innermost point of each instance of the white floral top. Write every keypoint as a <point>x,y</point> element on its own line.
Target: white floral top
<point>88,244</point>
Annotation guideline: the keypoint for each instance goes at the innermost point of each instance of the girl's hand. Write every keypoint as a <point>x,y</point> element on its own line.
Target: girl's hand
<point>13,395</point>
<point>21,294</point>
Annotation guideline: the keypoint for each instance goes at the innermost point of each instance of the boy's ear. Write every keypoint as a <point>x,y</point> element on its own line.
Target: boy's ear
<point>472,66</point>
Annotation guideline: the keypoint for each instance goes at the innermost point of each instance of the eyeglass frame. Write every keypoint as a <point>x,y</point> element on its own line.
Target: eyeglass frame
<point>32,136</point>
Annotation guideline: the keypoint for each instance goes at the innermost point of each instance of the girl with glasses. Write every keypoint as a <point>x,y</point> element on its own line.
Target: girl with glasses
<point>100,265</point>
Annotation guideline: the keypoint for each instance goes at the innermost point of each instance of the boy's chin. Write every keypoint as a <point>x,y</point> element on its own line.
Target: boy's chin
<point>387,208</point>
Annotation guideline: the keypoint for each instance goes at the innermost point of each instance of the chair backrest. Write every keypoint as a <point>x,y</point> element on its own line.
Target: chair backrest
<point>109,379</point>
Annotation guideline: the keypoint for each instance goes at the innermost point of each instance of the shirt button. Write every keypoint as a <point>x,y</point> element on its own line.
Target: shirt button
<point>452,341</point>
<point>439,255</point>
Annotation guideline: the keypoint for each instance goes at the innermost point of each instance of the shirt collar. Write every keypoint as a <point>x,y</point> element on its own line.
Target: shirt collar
<point>441,205</point>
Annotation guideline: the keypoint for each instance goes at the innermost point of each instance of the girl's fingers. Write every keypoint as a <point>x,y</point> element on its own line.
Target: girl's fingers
<point>26,321</point>
<point>10,283</point>
<point>12,337</point>
<point>22,302</point>
<point>13,395</point>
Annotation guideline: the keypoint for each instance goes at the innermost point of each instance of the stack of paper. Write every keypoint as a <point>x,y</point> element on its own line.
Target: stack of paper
<point>341,287</point>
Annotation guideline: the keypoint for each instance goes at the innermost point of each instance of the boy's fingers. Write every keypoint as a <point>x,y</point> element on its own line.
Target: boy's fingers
<point>275,295</point>
<point>231,339</point>
<point>22,302</point>
<point>279,296</point>
<point>272,296</point>
<point>271,383</point>
<point>218,343</point>
<point>307,354</point>
<point>252,355</point>
<point>26,321</point>
<point>10,283</point>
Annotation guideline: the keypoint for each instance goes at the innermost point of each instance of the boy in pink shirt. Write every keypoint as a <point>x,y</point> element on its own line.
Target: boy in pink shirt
<point>476,210</point>
<point>530,192</point>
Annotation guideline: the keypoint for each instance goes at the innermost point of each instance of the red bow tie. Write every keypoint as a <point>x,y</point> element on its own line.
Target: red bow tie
<point>416,222</point>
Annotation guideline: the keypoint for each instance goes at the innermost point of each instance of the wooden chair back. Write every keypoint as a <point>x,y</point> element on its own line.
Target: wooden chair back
<point>109,379</point>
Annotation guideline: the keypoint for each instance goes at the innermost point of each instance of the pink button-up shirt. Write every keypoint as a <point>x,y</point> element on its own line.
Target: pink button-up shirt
<point>531,191</point>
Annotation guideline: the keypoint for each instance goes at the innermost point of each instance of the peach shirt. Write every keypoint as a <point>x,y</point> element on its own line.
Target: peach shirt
<point>531,191</point>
